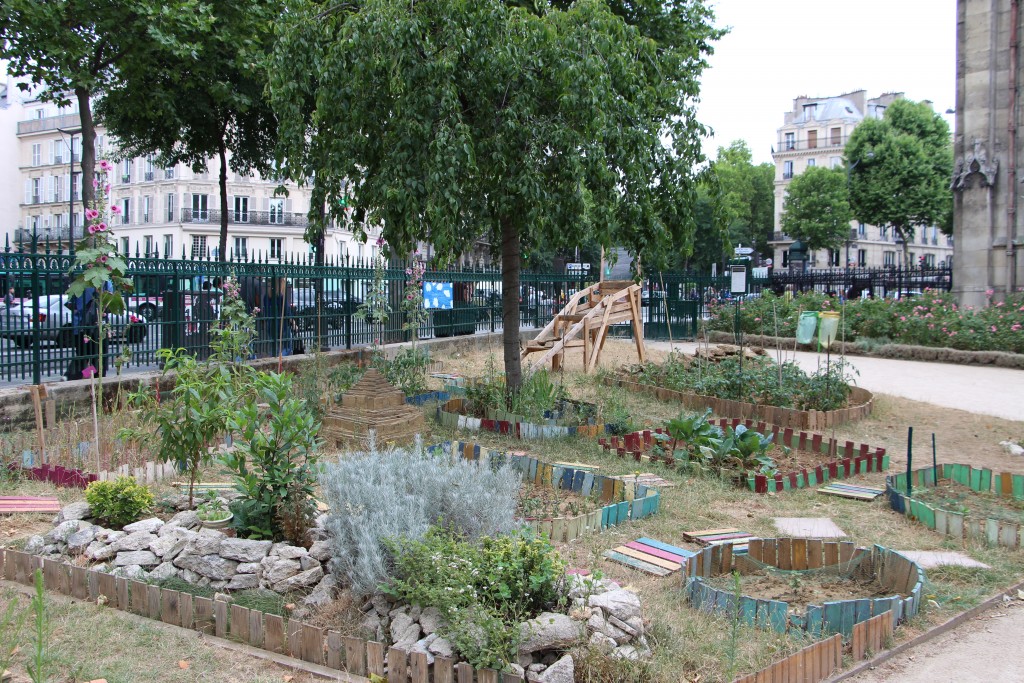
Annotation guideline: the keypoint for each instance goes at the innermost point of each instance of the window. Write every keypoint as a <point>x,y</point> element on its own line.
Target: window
<point>200,210</point>
<point>275,247</point>
<point>126,171</point>
<point>149,167</point>
<point>276,211</point>
<point>76,186</point>
<point>359,252</point>
<point>241,210</point>
<point>37,154</point>
<point>169,204</point>
<point>168,246</point>
<point>811,163</point>
<point>812,139</point>
<point>147,209</point>
<point>241,247</point>
<point>862,230</point>
<point>810,111</point>
<point>924,235</point>
<point>169,173</point>
<point>833,257</point>
<point>147,246</point>
<point>790,140</point>
<point>836,136</point>
<point>126,210</point>
<point>37,190</point>
<point>883,232</point>
<point>929,260</point>
<point>785,258</point>
<point>58,220</point>
<point>862,258</point>
<point>910,259</point>
<point>835,162</point>
<point>56,188</point>
<point>198,246</point>
<point>787,170</point>
<point>124,246</point>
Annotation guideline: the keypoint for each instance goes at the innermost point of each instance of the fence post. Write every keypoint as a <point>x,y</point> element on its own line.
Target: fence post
<point>37,351</point>
<point>348,304</point>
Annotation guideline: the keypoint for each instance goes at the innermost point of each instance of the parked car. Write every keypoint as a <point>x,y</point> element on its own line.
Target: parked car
<point>148,307</point>
<point>19,323</point>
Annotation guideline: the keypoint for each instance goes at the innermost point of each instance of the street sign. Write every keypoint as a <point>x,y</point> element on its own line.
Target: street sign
<point>739,279</point>
<point>577,266</point>
<point>743,251</point>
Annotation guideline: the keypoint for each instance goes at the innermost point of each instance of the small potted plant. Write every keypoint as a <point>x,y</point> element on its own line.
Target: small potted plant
<point>213,513</point>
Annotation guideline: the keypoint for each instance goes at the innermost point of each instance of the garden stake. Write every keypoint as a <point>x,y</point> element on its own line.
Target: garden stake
<point>910,457</point>
<point>664,302</point>
<point>935,465</point>
<point>778,344</point>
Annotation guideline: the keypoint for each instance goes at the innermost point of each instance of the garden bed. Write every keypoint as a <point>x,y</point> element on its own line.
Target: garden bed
<point>860,405</point>
<point>813,459</point>
<point>997,519</point>
<point>879,570</point>
<point>455,413</point>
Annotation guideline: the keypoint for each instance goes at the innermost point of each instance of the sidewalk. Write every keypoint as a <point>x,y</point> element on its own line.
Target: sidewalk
<point>976,389</point>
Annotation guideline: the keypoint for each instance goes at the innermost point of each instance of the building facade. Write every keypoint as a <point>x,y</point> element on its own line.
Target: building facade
<point>988,151</point>
<point>815,133</point>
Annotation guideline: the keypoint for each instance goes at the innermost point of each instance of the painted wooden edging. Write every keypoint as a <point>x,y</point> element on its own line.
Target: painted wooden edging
<point>819,661</point>
<point>450,414</point>
<point>861,401</point>
<point>276,634</point>
<point>894,571</point>
<point>996,532</point>
<point>70,477</point>
<point>623,501</point>
<point>855,458</point>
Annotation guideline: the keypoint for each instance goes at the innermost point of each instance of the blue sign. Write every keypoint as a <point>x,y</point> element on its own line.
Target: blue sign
<point>437,295</point>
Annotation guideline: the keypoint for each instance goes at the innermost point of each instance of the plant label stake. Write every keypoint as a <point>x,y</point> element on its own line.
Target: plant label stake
<point>910,457</point>
<point>935,463</point>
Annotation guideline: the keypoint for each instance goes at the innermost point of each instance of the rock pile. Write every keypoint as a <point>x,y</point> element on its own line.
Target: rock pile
<point>158,550</point>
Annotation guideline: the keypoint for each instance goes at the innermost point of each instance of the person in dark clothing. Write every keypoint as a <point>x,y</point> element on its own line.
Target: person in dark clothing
<point>86,333</point>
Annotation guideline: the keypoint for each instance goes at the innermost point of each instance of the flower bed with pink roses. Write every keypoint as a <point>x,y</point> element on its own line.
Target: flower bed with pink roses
<point>932,319</point>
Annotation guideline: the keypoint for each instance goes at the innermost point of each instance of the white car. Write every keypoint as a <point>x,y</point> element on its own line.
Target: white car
<point>20,322</point>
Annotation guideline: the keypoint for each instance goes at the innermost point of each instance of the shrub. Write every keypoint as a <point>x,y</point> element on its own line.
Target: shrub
<point>119,502</point>
<point>376,496</point>
<point>407,370</point>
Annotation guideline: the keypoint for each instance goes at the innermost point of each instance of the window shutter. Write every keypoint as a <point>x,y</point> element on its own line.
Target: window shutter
<point>28,191</point>
<point>266,204</point>
<point>53,144</point>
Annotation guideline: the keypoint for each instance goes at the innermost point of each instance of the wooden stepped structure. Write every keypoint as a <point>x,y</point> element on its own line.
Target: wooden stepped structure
<point>372,404</point>
<point>584,323</point>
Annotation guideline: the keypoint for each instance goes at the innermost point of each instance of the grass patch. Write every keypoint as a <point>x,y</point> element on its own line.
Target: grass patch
<point>261,600</point>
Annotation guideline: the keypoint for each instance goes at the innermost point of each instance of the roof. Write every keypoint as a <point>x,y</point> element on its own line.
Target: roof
<point>830,109</point>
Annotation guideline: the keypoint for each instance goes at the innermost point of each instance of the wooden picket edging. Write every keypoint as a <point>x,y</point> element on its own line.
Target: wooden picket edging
<point>622,501</point>
<point>861,403</point>
<point>270,632</point>
<point>452,414</point>
<point>852,458</point>
<point>70,477</point>
<point>893,571</point>
<point>957,524</point>
<point>817,662</point>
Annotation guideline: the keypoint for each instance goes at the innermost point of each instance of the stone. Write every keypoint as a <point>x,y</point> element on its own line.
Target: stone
<point>143,558</point>
<point>300,580</point>
<point>109,535</point>
<point>190,576</point>
<point>369,625</point>
<point>248,568</point>
<point>517,670</point>
<point>623,626</point>
<point>431,620</point>
<point>548,631</point>
<point>99,551</point>
<point>323,594</point>
<point>140,540</point>
<point>627,652</point>
<point>77,510</point>
<point>400,622</point>
<point>61,532</point>
<point>441,647</point>
<point>415,611</point>
<point>80,540</point>
<point>242,581</point>
<point>289,552</point>
<point>321,550</point>
<point>168,547</point>
<point>561,671</point>
<point>307,562</point>
<point>217,585</point>
<point>213,567</point>
<point>222,597</point>
<point>132,571</point>
<point>150,525</point>
<point>281,570</point>
<point>619,603</point>
<point>186,519</point>
<point>602,641</point>
<point>50,549</point>
<point>34,545</point>
<point>423,646</point>
<point>638,625</point>
<point>163,571</point>
<point>380,604</point>
<point>404,639</point>
<point>244,550</point>
<point>207,542</point>
<point>403,609</point>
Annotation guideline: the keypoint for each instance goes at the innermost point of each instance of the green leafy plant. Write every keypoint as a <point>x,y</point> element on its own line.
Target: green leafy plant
<point>119,502</point>
<point>12,626</point>
<point>693,431</point>
<point>274,458</point>
<point>40,661</point>
<point>407,370</point>
<point>212,509</point>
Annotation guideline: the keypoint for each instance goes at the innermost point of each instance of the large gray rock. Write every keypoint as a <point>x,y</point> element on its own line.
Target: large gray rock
<point>186,519</point>
<point>80,540</point>
<point>99,551</point>
<point>77,510</point>
<point>400,622</point>
<point>441,648</point>
<point>248,567</point>
<point>150,526</point>
<point>143,558</point>
<point>213,567</point>
<point>621,604</point>
<point>548,631</point>
<point>323,594</point>
<point>431,620</point>
<point>244,550</point>
<point>132,571</point>
<point>243,581</point>
<point>163,571</point>
<point>288,552</point>
<point>140,540</point>
<point>207,542</point>
<point>561,671</point>
<point>405,639</point>
<point>168,547</point>
<point>280,570</point>
<point>34,545</point>
<point>301,580</point>
<point>321,550</point>
<point>424,647</point>
<point>307,562</point>
<point>61,532</point>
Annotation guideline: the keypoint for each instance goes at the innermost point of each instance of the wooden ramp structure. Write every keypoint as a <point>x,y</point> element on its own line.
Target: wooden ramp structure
<point>584,322</point>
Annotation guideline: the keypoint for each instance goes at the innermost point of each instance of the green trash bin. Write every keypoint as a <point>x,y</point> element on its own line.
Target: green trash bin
<point>806,326</point>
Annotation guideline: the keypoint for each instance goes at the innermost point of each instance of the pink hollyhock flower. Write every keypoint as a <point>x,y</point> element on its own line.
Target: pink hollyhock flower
<point>255,310</point>
<point>993,328</point>
<point>88,372</point>
<point>1015,327</point>
<point>106,166</point>
<point>95,183</point>
<point>903,318</point>
<point>990,292</point>
<point>92,229</point>
<point>100,227</point>
<point>380,241</point>
<point>106,188</point>
<point>103,258</point>
<point>116,210</point>
<point>91,214</point>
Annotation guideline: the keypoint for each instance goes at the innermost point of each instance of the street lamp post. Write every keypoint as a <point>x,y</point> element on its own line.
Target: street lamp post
<point>71,188</point>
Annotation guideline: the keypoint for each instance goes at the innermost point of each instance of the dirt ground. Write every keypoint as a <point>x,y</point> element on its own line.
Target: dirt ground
<point>801,590</point>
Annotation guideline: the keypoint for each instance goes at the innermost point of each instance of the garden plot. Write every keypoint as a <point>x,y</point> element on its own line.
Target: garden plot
<point>802,589</point>
<point>955,497</point>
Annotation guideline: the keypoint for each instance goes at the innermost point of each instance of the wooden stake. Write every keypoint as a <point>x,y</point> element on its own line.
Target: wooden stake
<point>35,392</point>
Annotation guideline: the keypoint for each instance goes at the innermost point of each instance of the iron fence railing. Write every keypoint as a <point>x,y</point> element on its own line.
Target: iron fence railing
<point>236,216</point>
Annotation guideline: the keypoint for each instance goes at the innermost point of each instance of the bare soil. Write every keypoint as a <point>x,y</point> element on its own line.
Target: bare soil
<point>544,502</point>
<point>802,589</point>
<point>949,495</point>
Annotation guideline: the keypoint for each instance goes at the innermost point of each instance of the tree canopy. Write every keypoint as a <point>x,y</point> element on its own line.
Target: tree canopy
<point>901,169</point>
<point>747,195</point>
<point>448,120</point>
<point>817,208</point>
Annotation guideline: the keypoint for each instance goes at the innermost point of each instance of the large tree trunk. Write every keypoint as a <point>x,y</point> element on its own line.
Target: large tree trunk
<point>88,151</point>
<point>907,236</point>
<point>510,263</point>
<point>222,153</point>
<point>318,283</point>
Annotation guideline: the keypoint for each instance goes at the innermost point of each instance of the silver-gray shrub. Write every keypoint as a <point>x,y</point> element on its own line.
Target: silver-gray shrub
<point>399,493</point>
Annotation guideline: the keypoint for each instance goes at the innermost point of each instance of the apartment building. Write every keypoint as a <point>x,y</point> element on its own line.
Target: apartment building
<point>815,133</point>
<point>164,210</point>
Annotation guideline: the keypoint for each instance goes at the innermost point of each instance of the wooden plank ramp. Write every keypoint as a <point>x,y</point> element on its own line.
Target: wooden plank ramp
<point>29,504</point>
<point>852,491</point>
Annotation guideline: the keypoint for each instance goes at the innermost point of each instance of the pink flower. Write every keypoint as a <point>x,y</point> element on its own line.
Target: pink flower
<point>103,258</point>
<point>1015,327</point>
<point>990,292</point>
<point>903,318</point>
<point>116,210</point>
<point>993,328</point>
<point>255,310</point>
<point>408,271</point>
<point>88,372</point>
<point>952,334</point>
<point>95,183</point>
<point>106,166</point>
<point>757,320</point>
<point>92,229</point>
<point>91,214</point>
<point>408,297</point>
<point>100,227</point>
<point>106,188</point>
<point>380,241</point>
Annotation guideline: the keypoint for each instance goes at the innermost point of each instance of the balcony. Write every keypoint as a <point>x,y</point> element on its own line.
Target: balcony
<point>65,121</point>
<point>244,217</point>
<point>168,174</point>
<point>148,176</point>
<point>125,179</point>
<point>826,142</point>
<point>787,175</point>
<point>53,235</point>
<point>780,237</point>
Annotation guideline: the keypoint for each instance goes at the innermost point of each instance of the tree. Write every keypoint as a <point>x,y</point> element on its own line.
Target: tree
<point>452,119</point>
<point>900,167</point>
<point>208,102</point>
<point>711,236</point>
<point>73,48</point>
<point>747,195</point>
<point>817,208</point>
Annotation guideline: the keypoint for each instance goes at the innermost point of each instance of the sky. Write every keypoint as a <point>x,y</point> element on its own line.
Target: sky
<point>778,50</point>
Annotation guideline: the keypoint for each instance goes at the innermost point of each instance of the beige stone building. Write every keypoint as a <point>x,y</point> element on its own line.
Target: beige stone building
<point>815,133</point>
